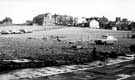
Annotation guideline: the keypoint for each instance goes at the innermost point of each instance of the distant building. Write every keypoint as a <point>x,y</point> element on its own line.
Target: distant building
<point>103,19</point>
<point>6,21</point>
<point>89,19</point>
<point>124,20</point>
<point>64,20</point>
<point>103,22</point>
<point>51,20</point>
<point>29,22</point>
<point>118,19</point>
<point>122,25</point>
<point>81,21</point>
<point>44,20</point>
<point>94,24</point>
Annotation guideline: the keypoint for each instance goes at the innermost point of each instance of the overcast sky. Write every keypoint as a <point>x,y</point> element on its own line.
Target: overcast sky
<point>22,10</point>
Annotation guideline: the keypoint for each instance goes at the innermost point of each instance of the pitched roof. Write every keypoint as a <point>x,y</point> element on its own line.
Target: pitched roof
<point>7,19</point>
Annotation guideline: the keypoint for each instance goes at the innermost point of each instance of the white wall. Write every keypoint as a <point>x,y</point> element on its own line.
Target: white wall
<point>94,24</point>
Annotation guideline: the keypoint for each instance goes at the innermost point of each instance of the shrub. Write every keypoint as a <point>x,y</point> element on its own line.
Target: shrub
<point>132,48</point>
<point>113,55</point>
<point>133,36</point>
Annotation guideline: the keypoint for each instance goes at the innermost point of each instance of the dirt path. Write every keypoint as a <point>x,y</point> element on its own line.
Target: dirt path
<point>122,71</point>
<point>62,72</point>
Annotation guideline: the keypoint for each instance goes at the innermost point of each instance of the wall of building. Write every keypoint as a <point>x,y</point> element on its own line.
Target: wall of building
<point>94,24</point>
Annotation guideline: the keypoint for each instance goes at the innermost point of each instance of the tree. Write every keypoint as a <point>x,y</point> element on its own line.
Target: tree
<point>102,22</point>
<point>132,26</point>
<point>110,24</point>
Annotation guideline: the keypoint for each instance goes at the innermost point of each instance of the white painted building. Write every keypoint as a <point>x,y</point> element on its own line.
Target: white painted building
<point>81,20</point>
<point>94,24</point>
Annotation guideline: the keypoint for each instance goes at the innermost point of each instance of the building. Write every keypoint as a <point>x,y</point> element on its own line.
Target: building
<point>81,19</point>
<point>51,20</point>
<point>122,25</point>
<point>94,24</point>
<point>103,22</point>
<point>124,20</point>
<point>118,19</point>
<point>64,20</point>
<point>48,20</point>
<point>44,20</point>
<point>6,21</point>
<point>81,22</point>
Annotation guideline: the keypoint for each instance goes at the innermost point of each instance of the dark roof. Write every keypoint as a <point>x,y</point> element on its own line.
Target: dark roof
<point>7,19</point>
<point>42,15</point>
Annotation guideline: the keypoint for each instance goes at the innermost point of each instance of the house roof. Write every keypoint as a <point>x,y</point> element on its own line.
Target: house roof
<point>7,19</point>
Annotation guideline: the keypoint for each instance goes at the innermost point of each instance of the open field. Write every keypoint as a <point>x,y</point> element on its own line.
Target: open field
<point>72,33</point>
<point>29,28</point>
<point>44,42</point>
<point>41,41</point>
<point>43,46</point>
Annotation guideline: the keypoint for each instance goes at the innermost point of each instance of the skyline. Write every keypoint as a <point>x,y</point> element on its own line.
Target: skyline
<point>21,10</point>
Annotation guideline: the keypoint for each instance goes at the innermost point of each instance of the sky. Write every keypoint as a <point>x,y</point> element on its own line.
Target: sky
<point>21,10</point>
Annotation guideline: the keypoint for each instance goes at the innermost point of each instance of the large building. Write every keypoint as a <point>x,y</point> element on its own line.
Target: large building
<point>51,20</point>
<point>44,20</point>
<point>7,21</point>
